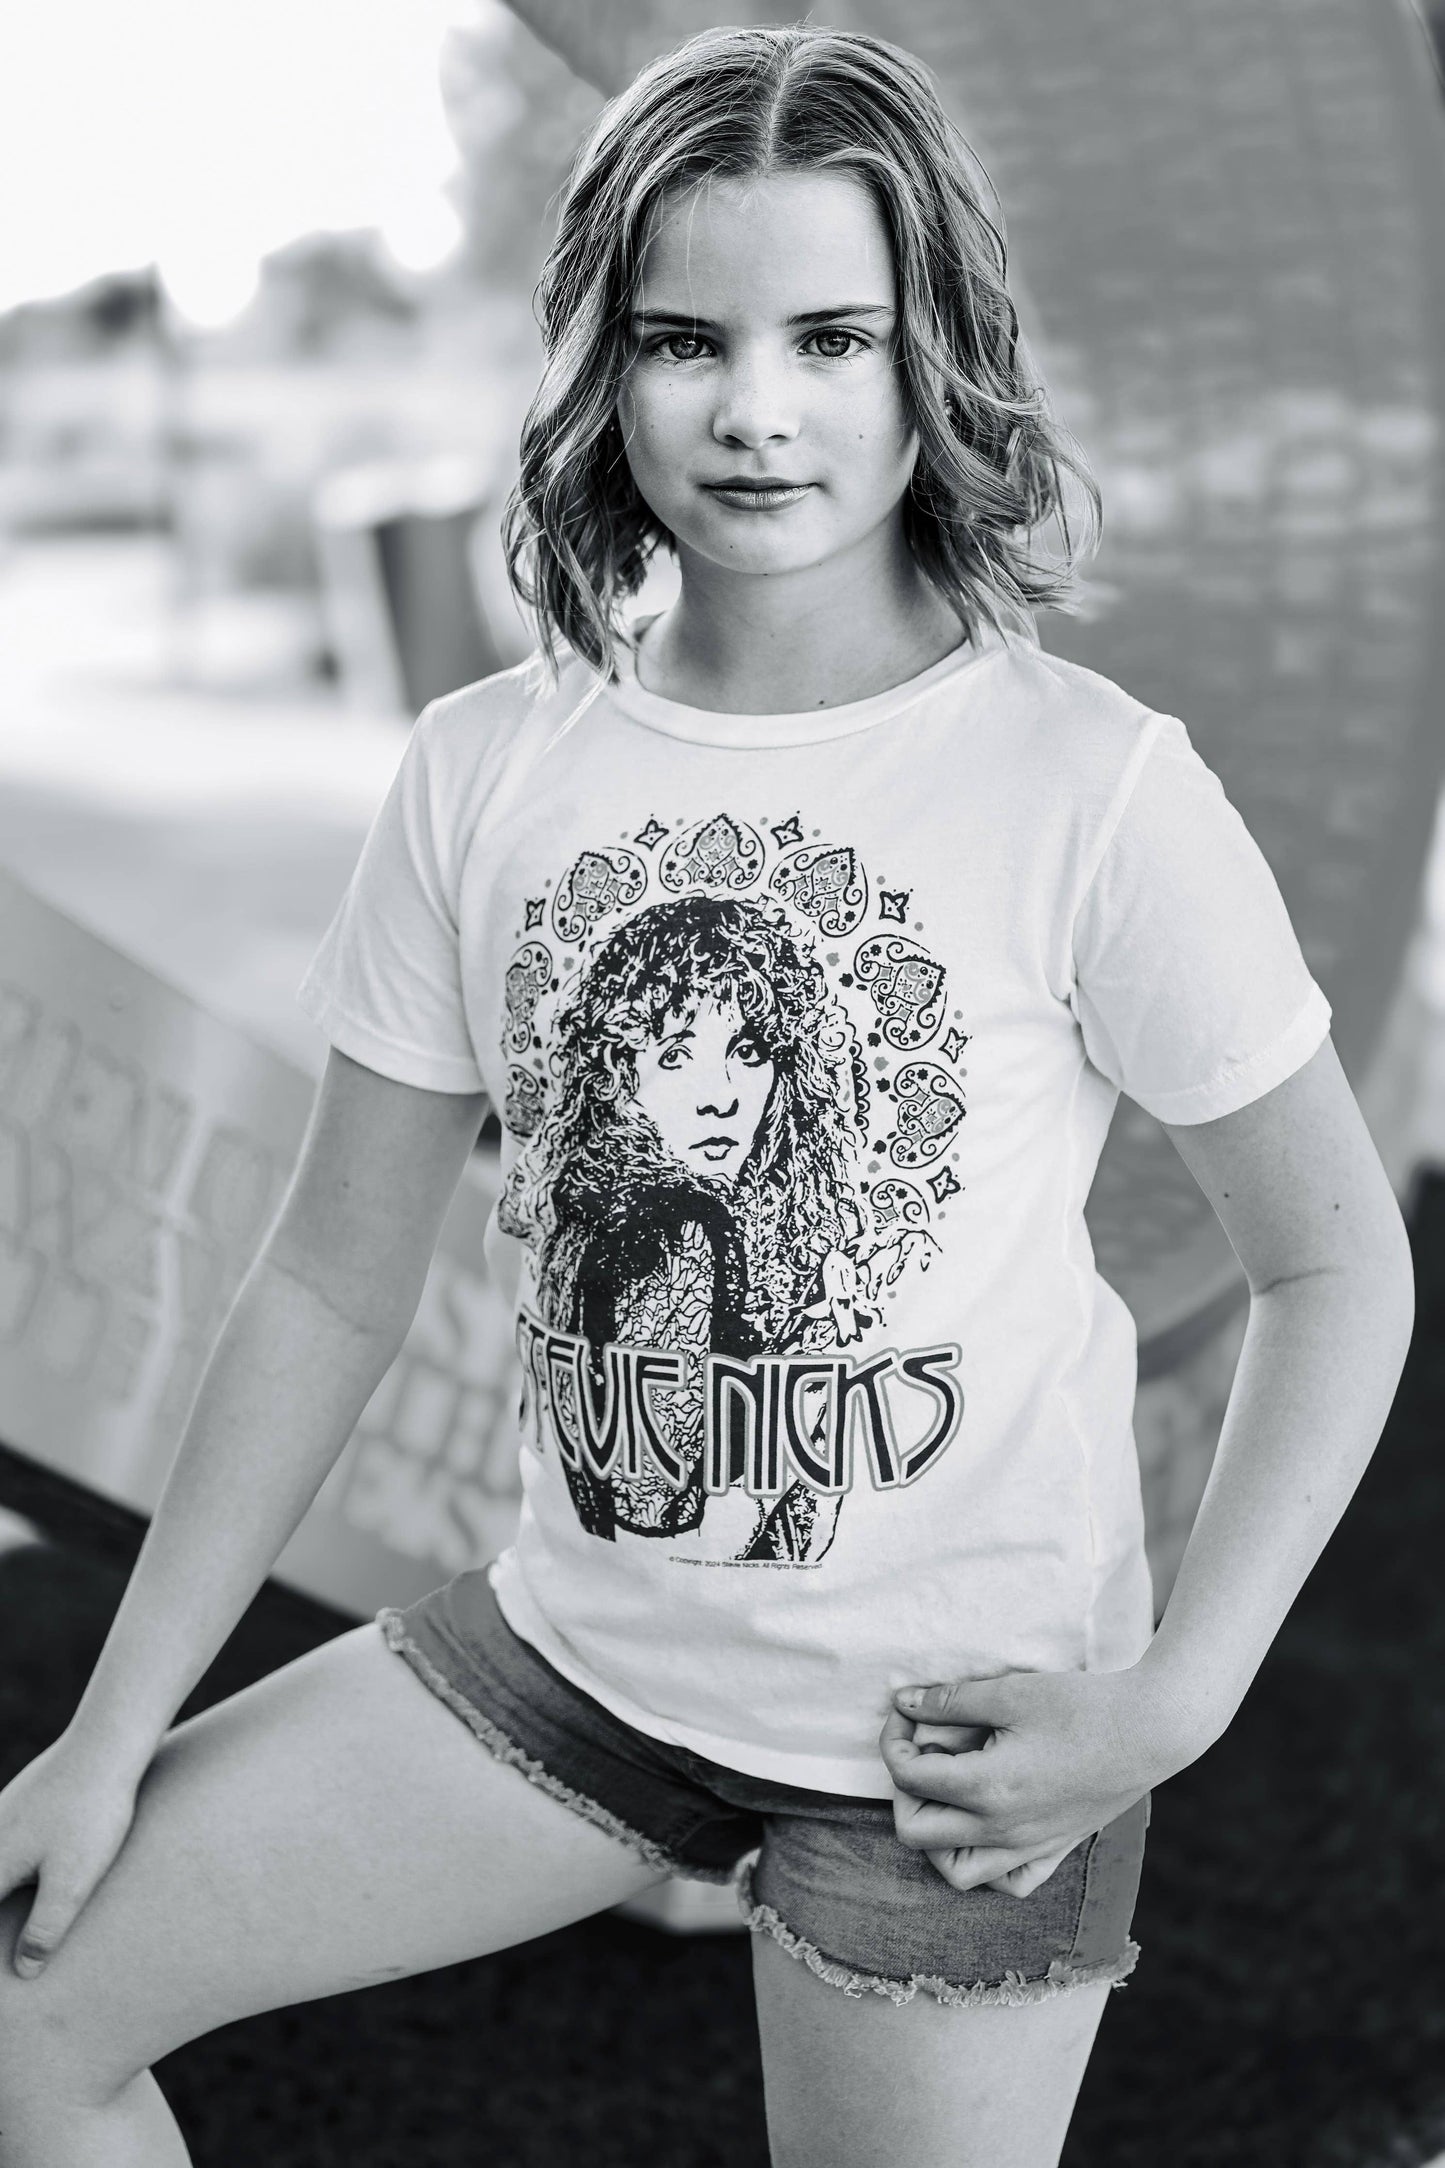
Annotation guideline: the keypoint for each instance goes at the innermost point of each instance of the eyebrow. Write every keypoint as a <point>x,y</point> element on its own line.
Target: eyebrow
<point>808,316</point>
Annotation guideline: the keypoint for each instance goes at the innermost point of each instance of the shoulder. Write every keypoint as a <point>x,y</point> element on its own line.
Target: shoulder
<point>479,746</point>
<point>1081,738</point>
<point>467,727</point>
<point>1076,710</point>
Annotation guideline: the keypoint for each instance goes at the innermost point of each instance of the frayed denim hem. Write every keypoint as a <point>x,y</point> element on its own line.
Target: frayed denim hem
<point>1012,1988</point>
<point>506,1750</point>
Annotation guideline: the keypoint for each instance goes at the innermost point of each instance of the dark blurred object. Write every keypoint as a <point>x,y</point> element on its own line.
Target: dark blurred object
<point>90,323</point>
<point>326,293</point>
<point>82,396</point>
<point>395,539</point>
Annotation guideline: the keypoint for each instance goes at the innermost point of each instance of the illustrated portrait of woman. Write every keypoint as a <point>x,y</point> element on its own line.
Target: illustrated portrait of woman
<point>694,1183</point>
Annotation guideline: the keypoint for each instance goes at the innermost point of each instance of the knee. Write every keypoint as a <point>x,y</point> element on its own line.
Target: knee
<point>52,2041</point>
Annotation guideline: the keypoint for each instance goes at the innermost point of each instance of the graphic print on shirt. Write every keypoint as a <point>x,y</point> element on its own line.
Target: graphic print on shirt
<point>736,1133</point>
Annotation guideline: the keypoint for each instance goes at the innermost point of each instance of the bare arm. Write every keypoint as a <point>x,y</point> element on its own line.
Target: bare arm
<point>1299,1187</point>
<point>1301,1193</point>
<point>315,1325</point>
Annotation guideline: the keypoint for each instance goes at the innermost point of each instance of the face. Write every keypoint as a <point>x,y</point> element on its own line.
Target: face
<point>704,1082</point>
<point>763,350</point>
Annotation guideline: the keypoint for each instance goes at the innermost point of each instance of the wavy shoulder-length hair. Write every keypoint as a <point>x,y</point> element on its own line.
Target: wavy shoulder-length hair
<point>742,103</point>
<point>596,1154</point>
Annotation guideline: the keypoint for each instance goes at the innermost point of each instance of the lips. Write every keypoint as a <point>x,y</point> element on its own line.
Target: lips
<point>757,496</point>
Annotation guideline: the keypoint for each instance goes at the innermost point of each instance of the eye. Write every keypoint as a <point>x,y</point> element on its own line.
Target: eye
<point>672,338</point>
<point>672,1057</point>
<point>831,331</point>
<point>749,1049</point>
<point>665,344</point>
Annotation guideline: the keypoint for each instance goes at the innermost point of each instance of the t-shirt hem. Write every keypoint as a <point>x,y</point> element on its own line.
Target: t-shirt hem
<point>1247,1080</point>
<point>403,1064</point>
<point>809,1773</point>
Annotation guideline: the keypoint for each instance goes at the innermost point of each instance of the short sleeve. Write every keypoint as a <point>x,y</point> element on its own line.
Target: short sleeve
<point>1190,990</point>
<point>385,985</point>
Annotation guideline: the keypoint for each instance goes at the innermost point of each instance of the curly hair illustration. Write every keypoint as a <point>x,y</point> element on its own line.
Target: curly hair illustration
<point>598,1154</point>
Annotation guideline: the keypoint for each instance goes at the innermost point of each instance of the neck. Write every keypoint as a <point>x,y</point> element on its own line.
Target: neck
<point>818,637</point>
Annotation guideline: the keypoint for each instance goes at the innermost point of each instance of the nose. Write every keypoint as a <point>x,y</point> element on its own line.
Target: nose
<point>721,1114</point>
<point>757,403</point>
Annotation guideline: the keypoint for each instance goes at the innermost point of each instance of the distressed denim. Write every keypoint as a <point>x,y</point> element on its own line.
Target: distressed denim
<point>824,1874</point>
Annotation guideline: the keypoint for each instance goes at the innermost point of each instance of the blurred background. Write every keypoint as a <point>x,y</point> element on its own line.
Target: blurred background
<point>266,340</point>
<point>266,280</point>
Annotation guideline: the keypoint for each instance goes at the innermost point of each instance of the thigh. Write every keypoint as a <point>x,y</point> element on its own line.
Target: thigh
<point>852,2081</point>
<point>332,1826</point>
<point>900,2017</point>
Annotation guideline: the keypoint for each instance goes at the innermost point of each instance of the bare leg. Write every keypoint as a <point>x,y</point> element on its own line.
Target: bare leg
<point>855,2081</point>
<point>332,1826</point>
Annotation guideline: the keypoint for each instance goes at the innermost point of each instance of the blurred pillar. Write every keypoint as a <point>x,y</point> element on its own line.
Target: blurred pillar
<point>403,608</point>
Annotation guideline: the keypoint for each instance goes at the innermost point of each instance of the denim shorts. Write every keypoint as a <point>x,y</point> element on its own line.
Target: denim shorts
<point>824,1874</point>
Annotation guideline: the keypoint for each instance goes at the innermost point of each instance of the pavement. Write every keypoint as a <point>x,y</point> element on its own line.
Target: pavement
<point>172,776</point>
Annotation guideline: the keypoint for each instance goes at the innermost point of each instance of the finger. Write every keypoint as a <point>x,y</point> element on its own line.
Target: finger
<point>951,1738</point>
<point>1023,1881</point>
<point>897,1730</point>
<point>51,1917</point>
<point>925,1826</point>
<point>988,1702</point>
<point>1005,1868</point>
<point>982,1866</point>
<point>959,1780</point>
<point>930,1738</point>
<point>974,1866</point>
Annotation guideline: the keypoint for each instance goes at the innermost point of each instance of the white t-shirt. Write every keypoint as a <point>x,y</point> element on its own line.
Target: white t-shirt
<point>806,1031</point>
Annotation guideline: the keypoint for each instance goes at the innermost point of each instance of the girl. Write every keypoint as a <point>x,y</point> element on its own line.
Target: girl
<point>780,344</point>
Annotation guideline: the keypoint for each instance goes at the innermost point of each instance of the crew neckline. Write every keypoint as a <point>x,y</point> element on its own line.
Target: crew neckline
<point>807,726</point>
